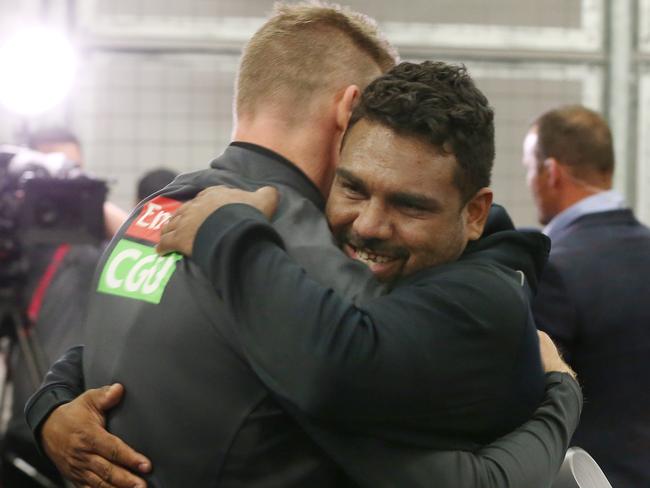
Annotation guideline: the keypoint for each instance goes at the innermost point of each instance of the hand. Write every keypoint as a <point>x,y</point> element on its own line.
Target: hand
<point>179,233</point>
<point>551,359</point>
<point>75,439</point>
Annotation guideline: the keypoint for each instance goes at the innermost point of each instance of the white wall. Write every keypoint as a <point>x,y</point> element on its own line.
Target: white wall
<point>156,79</point>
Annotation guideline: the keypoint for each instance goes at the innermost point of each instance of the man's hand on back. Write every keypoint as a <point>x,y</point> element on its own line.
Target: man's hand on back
<point>179,233</point>
<point>551,358</point>
<point>75,439</point>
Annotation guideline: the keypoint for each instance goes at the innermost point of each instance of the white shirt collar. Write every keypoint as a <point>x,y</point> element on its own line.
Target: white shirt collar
<point>600,202</point>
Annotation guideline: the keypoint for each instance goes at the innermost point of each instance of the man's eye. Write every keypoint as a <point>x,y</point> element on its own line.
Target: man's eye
<point>412,206</point>
<point>413,209</point>
<point>351,189</point>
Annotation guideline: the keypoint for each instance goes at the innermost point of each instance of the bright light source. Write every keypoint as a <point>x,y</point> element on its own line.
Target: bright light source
<point>38,68</point>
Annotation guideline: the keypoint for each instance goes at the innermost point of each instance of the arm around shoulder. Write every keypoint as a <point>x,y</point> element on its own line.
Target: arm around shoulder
<point>531,455</point>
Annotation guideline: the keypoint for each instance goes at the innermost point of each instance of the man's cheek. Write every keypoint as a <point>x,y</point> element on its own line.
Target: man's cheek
<point>337,217</point>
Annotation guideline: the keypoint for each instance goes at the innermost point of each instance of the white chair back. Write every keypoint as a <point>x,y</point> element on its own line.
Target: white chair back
<point>579,470</point>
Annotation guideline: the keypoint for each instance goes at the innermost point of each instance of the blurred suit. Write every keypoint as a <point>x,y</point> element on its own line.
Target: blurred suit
<point>594,301</point>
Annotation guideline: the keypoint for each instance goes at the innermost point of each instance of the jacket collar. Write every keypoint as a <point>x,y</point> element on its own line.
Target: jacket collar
<point>623,216</point>
<point>603,201</point>
<point>257,162</point>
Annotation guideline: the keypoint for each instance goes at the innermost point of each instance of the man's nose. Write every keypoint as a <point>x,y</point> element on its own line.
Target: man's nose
<point>373,222</point>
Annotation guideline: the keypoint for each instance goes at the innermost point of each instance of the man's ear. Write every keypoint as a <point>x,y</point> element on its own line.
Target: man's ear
<point>555,172</point>
<point>345,106</point>
<point>476,213</point>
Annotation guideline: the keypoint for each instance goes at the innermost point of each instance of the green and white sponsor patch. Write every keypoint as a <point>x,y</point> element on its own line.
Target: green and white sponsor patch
<point>136,271</point>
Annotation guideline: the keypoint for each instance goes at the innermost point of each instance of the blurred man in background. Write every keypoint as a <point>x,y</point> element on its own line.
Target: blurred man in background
<point>152,181</point>
<point>55,294</point>
<point>50,292</point>
<point>56,140</point>
<point>61,140</point>
<point>594,295</point>
<point>56,298</point>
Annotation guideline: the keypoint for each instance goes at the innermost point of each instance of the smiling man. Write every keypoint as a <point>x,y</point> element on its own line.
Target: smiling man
<point>412,186</point>
<point>394,206</point>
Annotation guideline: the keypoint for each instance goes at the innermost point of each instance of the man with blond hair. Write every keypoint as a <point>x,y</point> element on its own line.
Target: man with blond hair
<point>194,404</point>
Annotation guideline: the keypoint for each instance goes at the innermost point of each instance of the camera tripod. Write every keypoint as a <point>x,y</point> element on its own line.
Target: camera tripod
<point>15,327</point>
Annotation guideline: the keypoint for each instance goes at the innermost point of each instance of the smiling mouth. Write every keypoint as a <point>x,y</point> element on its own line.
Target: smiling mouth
<point>379,264</point>
<point>370,257</point>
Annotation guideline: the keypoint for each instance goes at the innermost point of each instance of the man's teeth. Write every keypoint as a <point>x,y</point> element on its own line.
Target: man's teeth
<point>375,258</point>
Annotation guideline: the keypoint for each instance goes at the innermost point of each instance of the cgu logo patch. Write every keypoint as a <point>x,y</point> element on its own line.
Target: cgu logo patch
<point>136,271</point>
<point>153,215</point>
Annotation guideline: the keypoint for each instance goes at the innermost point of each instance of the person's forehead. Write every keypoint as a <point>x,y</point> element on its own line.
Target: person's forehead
<point>380,156</point>
<point>56,145</point>
<point>530,140</point>
<point>70,149</point>
<point>529,147</point>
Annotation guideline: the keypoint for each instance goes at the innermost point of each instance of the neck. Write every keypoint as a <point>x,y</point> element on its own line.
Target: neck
<point>306,145</point>
<point>577,190</point>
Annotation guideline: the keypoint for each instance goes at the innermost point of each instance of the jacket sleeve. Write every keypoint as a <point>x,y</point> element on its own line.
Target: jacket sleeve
<point>357,365</point>
<point>529,456</point>
<point>62,384</point>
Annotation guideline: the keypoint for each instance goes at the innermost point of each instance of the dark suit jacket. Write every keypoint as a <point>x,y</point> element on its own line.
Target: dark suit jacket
<point>594,300</point>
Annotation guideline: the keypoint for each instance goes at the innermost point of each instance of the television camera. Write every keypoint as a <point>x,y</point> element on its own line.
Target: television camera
<point>44,200</point>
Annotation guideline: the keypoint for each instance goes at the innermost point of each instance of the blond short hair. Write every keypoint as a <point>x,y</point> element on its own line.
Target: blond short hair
<point>306,49</point>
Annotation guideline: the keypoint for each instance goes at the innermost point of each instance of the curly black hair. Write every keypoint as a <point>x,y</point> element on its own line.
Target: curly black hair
<point>438,102</point>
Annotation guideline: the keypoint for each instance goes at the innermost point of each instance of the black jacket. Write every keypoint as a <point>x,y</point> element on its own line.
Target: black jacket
<point>448,359</point>
<point>57,326</point>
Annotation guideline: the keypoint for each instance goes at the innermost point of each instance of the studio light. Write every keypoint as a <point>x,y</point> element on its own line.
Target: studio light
<point>37,69</point>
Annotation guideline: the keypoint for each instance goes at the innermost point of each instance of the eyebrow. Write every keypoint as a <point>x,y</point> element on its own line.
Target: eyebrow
<point>400,198</point>
<point>351,177</point>
<point>414,200</point>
